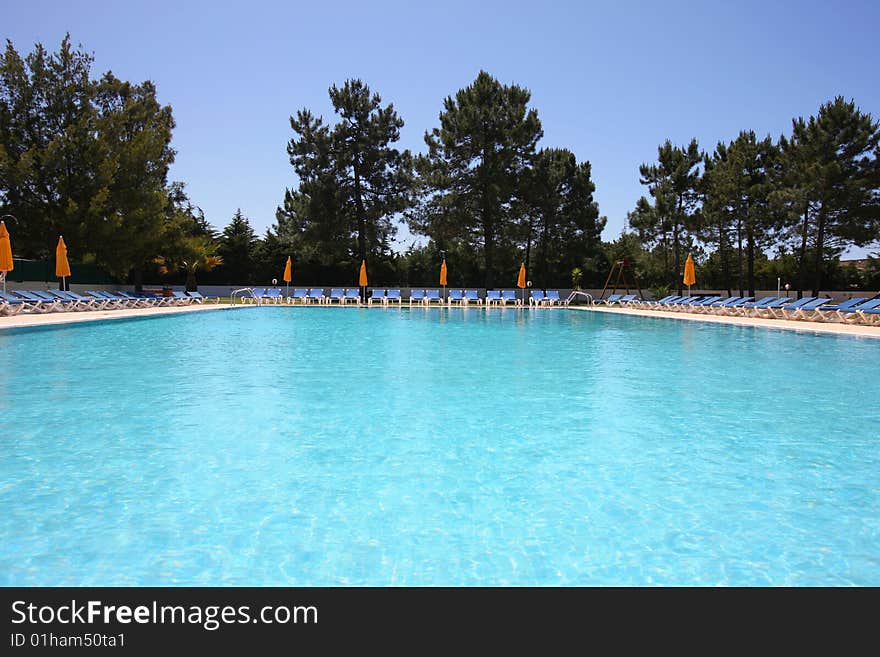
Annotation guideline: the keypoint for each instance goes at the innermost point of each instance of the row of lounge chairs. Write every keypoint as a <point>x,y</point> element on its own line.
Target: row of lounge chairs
<point>37,301</point>
<point>391,296</point>
<point>858,310</point>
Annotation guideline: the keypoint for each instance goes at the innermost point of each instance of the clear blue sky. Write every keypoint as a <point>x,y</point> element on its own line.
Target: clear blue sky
<point>610,80</point>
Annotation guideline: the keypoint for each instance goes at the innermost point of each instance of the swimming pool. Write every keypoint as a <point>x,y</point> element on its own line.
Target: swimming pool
<point>324,446</point>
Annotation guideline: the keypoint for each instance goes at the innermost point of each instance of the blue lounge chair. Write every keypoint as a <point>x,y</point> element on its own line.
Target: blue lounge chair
<point>198,297</point>
<point>651,302</point>
<point>273,295</point>
<point>67,303</point>
<point>805,311</point>
<point>337,294</point>
<point>300,294</point>
<point>744,309</point>
<point>553,297</point>
<point>864,313</point>
<point>432,296</point>
<point>119,301</point>
<point>353,294</point>
<point>12,305</point>
<point>510,295</point>
<point>376,294</point>
<point>696,306</point>
<point>40,304</point>
<point>837,310</point>
<point>181,298</point>
<point>159,300</point>
<point>455,296</point>
<point>774,310</point>
<point>728,305</point>
<point>257,295</point>
<point>666,301</point>
<point>316,295</point>
<point>85,303</point>
<point>416,296</point>
<point>472,296</point>
<point>537,298</point>
<point>394,295</point>
<point>137,301</point>
<point>614,298</point>
<point>493,297</point>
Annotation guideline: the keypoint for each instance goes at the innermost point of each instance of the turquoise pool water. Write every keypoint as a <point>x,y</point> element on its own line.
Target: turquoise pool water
<point>281,446</point>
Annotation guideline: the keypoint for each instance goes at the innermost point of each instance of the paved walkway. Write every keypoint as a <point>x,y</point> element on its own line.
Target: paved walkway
<point>25,320</point>
<point>784,324</point>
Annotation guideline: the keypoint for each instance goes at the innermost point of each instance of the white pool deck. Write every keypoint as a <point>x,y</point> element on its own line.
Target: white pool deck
<point>65,318</point>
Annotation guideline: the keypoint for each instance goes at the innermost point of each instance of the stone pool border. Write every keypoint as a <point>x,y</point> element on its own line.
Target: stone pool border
<point>827,328</point>
<point>59,319</point>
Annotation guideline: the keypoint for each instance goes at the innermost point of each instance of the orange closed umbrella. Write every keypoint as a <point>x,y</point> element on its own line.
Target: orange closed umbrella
<point>6,264</point>
<point>689,274</point>
<point>288,274</point>
<point>362,279</point>
<point>62,267</point>
<point>521,281</point>
<point>443,273</point>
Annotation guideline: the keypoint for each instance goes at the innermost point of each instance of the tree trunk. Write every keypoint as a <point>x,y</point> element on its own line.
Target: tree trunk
<point>739,257</point>
<point>359,211</point>
<point>138,278</point>
<point>820,247</point>
<point>802,257</point>
<point>676,249</point>
<point>488,246</point>
<point>722,253</point>
<point>750,252</point>
<point>191,285</point>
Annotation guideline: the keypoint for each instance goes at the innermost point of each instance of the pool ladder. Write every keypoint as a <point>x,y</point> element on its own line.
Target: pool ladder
<point>575,293</point>
<point>244,293</point>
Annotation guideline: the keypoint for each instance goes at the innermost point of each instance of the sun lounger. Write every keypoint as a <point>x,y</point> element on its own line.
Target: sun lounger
<point>181,298</point>
<point>666,302</point>
<point>198,297</point>
<point>744,309</point>
<point>376,294</point>
<point>316,295</point>
<point>337,294</point>
<point>493,297</point>
<point>120,301</point>
<point>537,298</point>
<point>455,296</point>
<point>431,296</point>
<point>416,296</point>
<point>776,309</point>
<point>472,296</point>
<point>392,296</point>
<point>12,305</point>
<point>300,294</point>
<point>554,299</point>
<point>864,313</point>
<point>353,294</point>
<point>83,303</point>
<point>509,296</point>
<point>696,306</point>
<point>830,312</point>
<point>40,304</point>
<point>728,306</point>
<point>805,311</point>
<point>614,298</point>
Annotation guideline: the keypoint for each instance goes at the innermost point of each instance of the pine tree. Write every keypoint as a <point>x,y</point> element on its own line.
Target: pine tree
<point>470,177</point>
<point>829,180</point>
<point>237,249</point>
<point>674,183</point>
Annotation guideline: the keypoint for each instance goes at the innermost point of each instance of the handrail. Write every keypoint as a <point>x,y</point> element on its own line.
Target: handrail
<point>243,290</point>
<point>574,293</point>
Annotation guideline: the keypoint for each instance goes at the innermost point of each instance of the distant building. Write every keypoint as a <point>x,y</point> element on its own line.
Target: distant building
<point>861,263</point>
